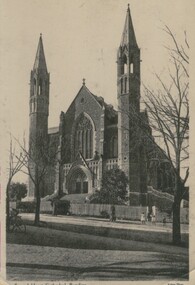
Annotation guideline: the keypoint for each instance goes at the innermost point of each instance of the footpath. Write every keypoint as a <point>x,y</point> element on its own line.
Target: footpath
<point>122,229</point>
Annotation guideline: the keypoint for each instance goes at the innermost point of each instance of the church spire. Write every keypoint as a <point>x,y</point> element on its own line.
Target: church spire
<point>40,62</point>
<point>128,36</point>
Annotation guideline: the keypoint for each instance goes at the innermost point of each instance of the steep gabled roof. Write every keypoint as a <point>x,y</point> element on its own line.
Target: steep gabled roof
<point>98,99</point>
<point>128,37</point>
<point>40,62</point>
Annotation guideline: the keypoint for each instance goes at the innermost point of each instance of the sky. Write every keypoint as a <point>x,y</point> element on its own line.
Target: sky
<point>81,39</point>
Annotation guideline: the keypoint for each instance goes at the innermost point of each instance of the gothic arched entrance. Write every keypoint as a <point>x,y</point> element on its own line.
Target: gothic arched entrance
<point>79,180</point>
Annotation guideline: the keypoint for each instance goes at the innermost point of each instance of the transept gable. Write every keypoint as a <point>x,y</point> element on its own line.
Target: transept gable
<point>84,95</point>
<point>87,102</point>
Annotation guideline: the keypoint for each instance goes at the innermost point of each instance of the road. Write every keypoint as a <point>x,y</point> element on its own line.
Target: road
<point>92,221</point>
<point>48,254</point>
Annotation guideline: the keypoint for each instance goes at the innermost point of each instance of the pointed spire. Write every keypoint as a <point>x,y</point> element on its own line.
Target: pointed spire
<point>128,36</point>
<point>40,62</point>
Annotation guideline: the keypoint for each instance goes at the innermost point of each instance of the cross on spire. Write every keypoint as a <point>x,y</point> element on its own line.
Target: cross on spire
<point>83,81</point>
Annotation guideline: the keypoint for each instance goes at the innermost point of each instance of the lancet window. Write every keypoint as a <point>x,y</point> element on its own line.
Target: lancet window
<point>83,137</point>
<point>113,147</point>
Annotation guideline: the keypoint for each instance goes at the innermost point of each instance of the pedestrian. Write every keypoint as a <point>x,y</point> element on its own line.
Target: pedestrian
<point>149,217</point>
<point>164,221</point>
<point>143,219</point>
<point>153,219</point>
<point>113,214</point>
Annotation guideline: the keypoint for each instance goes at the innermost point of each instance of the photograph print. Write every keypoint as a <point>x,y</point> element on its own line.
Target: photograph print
<point>95,138</point>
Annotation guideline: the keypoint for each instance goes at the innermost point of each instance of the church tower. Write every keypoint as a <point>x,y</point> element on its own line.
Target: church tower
<point>128,89</point>
<point>39,107</point>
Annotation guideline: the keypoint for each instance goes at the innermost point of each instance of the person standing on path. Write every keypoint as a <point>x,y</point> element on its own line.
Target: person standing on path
<point>143,219</point>
<point>164,221</point>
<point>153,219</point>
<point>149,217</point>
<point>113,214</point>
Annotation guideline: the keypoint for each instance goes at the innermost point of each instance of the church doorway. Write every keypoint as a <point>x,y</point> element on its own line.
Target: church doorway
<point>79,181</point>
<point>81,185</point>
<point>85,187</point>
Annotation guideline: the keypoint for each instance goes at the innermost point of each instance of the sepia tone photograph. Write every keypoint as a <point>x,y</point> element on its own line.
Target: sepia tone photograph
<point>95,180</point>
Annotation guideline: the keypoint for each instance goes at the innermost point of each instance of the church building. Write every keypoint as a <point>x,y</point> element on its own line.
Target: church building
<point>92,136</point>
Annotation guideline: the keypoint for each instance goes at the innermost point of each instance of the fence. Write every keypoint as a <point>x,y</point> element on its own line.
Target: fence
<point>184,216</point>
<point>122,212</point>
<point>46,207</point>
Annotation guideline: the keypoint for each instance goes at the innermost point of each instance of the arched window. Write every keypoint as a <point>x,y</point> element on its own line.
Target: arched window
<point>34,106</point>
<point>124,65</point>
<point>34,87</point>
<point>83,143</point>
<point>40,87</point>
<point>80,140</point>
<point>125,84</point>
<point>113,148</point>
<point>121,85</point>
<point>125,68</point>
<point>131,67</point>
<point>83,137</point>
<point>90,141</point>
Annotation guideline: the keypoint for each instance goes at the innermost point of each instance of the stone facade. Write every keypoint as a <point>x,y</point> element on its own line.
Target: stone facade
<point>92,136</point>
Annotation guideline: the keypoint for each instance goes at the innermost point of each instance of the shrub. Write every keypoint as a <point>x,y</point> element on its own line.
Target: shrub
<point>104,214</point>
<point>61,207</point>
<point>17,191</point>
<point>95,198</point>
<point>26,207</point>
<point>113,190</point>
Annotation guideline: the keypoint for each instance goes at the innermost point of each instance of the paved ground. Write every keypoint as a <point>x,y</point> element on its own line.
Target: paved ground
<point>120,224</point>
<point>48,254</point>
<point>130,230</point>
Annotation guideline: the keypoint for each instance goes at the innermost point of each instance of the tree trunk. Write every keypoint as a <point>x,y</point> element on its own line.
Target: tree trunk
<point>38,204</point>
<point>7,205</point>
<point>176,222</point>
<point>59,186</point>
<point>176,234</point>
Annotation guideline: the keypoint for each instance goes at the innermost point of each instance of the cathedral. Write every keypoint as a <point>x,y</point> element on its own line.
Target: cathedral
<point>93,137</point>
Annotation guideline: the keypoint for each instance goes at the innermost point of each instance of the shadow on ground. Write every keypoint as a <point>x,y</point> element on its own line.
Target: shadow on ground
<point>114,271</point>
<point>61,255</point>
<point>56,238</point>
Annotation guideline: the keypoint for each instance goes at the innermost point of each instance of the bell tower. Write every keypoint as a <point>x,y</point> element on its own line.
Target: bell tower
<point>39,106</point>
<point>128,93</point>
<point>128,63</point>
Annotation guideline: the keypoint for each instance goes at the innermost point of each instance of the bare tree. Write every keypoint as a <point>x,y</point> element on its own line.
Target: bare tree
<point>15,166</point>
<point>168,109</point>
<point>36,160</point>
